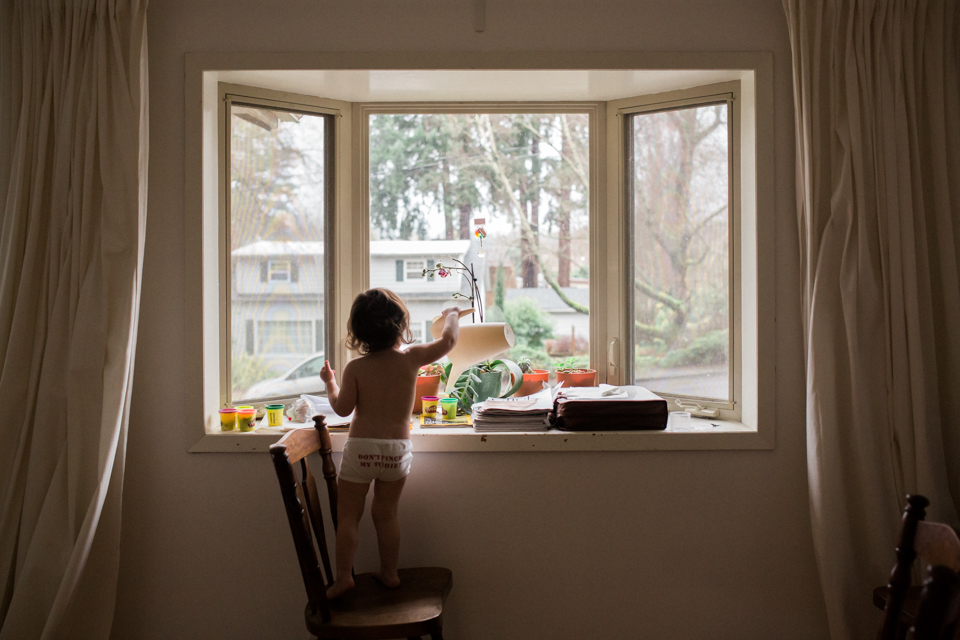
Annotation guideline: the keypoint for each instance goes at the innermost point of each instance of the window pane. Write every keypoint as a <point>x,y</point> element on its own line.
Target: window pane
<point>679,196</point>
<point>277,213</point>
<point>526,177</point>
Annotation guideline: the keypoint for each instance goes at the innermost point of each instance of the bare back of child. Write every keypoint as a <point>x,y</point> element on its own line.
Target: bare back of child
<point>379,387</point>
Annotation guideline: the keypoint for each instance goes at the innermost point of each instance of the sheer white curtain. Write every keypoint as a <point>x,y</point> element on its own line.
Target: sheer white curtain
<point>73,162</point>
<point>878,186</point>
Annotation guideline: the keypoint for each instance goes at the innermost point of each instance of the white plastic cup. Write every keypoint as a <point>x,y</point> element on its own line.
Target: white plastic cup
<point>679,421</point>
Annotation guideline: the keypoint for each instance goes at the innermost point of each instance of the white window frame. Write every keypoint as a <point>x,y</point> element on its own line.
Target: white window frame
<point>728,92</point>
<point>596,113</point>
<point>409,267</point>
<point>282,268</point>
<point>348,241</point>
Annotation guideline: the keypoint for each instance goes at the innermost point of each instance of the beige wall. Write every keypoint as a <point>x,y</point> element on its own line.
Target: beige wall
<point>550,545</point>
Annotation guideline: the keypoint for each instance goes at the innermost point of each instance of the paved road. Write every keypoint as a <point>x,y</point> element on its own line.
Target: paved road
<point>706,381</point>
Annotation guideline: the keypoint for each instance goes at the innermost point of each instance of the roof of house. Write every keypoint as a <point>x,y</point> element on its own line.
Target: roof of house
<point>548,298</point>
<point>280,248</point>
<point>455,248</point>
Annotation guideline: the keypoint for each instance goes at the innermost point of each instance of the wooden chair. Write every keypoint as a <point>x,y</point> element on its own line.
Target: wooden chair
<point>939,606</point>
<point>369,610</point>
<point>937,544</point>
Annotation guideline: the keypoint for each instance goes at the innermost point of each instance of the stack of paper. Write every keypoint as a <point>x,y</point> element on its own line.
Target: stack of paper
<point>527,413</point>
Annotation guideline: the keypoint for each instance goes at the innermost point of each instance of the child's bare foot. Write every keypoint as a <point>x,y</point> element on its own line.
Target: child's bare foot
<point>340,587</point>
<point>389,580</point>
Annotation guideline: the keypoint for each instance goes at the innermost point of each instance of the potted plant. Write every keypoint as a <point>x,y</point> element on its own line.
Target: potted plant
<point>428,383</point>
<point>533,379</point>
<point>573,376</point>
<point>484,380</point>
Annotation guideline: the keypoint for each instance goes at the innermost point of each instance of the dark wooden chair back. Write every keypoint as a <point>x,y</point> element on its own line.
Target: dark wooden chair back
<point>939,607</point>
<point>292,448</point>
<point>936,543</point>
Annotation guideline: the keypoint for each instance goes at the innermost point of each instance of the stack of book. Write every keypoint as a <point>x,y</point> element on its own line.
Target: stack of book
<point>527,413</point>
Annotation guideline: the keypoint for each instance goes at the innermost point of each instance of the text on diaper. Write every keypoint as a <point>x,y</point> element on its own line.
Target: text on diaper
<point>378,461</point>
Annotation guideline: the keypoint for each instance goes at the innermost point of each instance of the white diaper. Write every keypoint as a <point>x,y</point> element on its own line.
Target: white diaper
<point>367,459</point>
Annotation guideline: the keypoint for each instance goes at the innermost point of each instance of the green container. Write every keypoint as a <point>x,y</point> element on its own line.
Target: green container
<point>489,385</point>
<point>449,408</point>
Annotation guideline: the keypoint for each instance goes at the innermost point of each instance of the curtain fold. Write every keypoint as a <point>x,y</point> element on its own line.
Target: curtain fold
<point>876,86</point>
<point>73,167</point>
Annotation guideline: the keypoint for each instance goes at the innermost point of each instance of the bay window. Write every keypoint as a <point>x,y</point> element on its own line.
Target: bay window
<point>607,232</point>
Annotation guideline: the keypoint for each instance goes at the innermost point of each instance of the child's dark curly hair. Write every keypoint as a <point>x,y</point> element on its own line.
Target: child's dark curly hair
<point>378,320</point>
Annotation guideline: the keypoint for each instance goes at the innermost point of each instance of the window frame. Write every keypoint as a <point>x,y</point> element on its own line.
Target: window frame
<point>730,93</point>
<point>596,112</point>
<point>241,95</point>
<point>206,72</point>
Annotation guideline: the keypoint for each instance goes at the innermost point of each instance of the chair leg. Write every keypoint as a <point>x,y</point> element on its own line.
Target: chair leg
<point>436,635</point>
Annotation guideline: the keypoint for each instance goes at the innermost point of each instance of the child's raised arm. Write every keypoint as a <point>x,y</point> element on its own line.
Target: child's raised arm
<point>433,351</point>
<point>342,400</point>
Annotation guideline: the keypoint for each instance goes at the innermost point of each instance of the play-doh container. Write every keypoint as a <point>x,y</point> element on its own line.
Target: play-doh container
<point>274,415</point>
<point>449,408</point>
<point>228,419</point>
<point>247,419</point>
<point>430,406</point>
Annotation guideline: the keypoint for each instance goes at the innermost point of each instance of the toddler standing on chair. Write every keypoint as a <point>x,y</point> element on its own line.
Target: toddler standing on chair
<point>380,386</point>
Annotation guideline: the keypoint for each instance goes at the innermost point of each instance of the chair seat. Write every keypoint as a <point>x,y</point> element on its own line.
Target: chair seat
<point>370,610</point>
<point>911,602</point>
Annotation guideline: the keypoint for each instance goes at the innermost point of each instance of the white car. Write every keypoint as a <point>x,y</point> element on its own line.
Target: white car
<point>304,377</point>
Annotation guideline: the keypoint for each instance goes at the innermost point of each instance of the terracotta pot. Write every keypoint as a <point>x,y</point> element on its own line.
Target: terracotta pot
<point>426,386</point>
<point>533,382</point>
<point>587,378</point>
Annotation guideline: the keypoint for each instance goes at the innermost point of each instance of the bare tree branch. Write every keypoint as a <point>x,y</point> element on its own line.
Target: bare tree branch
<point>706,221</point>
<point>497,167</point>
<point>575,163</point>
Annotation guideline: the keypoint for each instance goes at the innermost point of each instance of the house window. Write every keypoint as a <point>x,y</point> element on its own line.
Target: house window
<point>416,330</point>
<point>278,270</point>
<point>278,192</point>
<point>413,269</point>
<point>285,337</point>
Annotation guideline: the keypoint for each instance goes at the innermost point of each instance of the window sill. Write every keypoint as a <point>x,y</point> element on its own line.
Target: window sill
<point>729,436</point>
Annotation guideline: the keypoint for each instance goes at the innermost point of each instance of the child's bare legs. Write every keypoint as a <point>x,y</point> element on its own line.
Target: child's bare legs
<point>351,497</point>
<point>386,497</point>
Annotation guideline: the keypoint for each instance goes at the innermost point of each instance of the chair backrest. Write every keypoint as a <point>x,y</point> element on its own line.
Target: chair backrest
<point>292,448</point>
<point>939,607</point>
<point>936,543</point>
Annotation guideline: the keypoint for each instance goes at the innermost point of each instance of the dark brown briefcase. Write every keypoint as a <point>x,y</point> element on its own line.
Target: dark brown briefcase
<point>642,411</point>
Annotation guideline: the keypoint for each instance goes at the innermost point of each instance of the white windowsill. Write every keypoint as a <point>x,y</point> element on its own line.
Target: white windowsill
<point>728,436</point>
